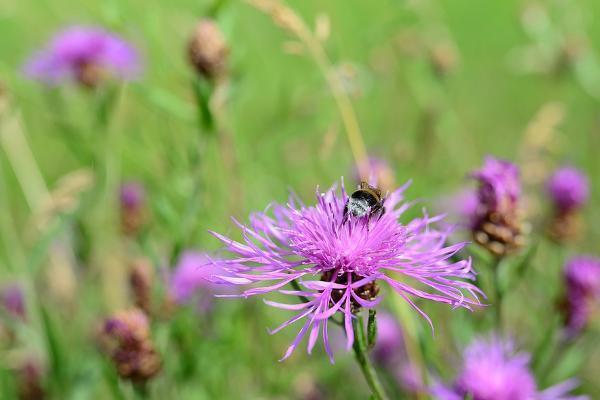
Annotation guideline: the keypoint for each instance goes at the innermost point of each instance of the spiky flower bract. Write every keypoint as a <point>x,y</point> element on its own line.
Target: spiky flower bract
<point>493,370</point>
<point>339,263</point>
<point>84,54</point>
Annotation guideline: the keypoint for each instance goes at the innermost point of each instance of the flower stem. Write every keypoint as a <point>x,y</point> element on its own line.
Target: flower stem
<point>362,357</point>
<point>498,292</point>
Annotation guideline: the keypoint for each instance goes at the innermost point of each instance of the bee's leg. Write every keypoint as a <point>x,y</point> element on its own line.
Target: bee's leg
<point>381,212</point>
<point>345,216</point>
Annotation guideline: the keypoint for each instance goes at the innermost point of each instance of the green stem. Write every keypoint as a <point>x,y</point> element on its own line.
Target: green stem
<point>362,357</point>
<point>498,292</point>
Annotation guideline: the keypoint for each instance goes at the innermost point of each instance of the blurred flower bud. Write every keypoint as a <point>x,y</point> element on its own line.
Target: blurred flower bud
<point>12,301</point>
<point>498,226</point>
<point>125,338</point>
<point>30,380</point>
<point>568,190</point>
<point>443,58</point>
<point>582,281</point>
<point>133,207</point>
<point>207,50</point>
<point>141,277</point>
<point>87,55</point>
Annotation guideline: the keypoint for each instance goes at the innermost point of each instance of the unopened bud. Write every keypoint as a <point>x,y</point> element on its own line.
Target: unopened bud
<point>207,50</point>
<point>125,338</point>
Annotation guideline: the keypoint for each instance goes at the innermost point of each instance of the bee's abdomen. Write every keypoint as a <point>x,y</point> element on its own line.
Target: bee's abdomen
<point>362,196</point>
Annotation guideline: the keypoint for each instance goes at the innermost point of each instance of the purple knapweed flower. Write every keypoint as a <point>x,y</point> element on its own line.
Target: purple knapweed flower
<point>13,301</point>
<point>389,344</point>
<point>499,185</point>
<point>338,262</point>
<point>582,280</point>
<point>196,275</point>
<point>568,188</point>
<point>497,223</point>
<point>493,370</point>
<point>126,338</point>
<point>132,197</point>
<point>86,55</point>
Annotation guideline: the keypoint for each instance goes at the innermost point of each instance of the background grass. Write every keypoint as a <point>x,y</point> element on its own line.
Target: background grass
<point>286,133</point>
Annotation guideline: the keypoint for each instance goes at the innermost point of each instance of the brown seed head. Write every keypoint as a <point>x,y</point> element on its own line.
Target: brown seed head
<point>207,50</point>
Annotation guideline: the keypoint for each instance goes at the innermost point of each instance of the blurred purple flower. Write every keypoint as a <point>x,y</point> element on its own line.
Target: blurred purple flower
<point>125,337</point>
<point>389,345</point>
<point>13,301</point>
<point>338,265</point>
<point>582,279</point>
<point>196,274</point>
<point>568,188</point>
<point>493,370</point>
<point>462,207</point>
<point>132,195</point>
<point>497,222</point>
<point>133,207</point>
<point>499,185</point>
<point>84,54</point>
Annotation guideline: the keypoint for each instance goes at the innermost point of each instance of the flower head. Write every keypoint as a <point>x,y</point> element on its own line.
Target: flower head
<point>141,278</point>
<point>86,55</point>
<point>339,262</point>
<point>493,370</point>
<point>133,207</point>
<point>125,338</point>
<point>207,49</point>
<point>497,224</point>
<point>13,301</point>
<point>582,279</point>
<point>195,275</point>
<point>499,185</point>
<point>568,188</point>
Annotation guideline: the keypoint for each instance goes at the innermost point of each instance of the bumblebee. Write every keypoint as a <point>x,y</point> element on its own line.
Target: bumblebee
<point>366,201</point>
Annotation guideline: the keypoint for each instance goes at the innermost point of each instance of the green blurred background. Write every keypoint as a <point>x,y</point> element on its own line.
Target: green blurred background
<point>435,86</point>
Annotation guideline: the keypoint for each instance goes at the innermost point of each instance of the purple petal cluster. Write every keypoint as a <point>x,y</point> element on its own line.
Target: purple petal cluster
<point>13,301</point>
<point>582,280</point>
<point>338,265</point>
<point>499,185</point>
<point>568,188</point>
<point>78,52</point>
<point>196,274</point>
<point>493,370</point>
<point>132,195</point>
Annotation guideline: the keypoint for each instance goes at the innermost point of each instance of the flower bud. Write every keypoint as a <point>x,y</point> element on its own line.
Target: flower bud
<point>125,338</point>
<point>133,208</point>
<point>497,225</point>
<point>207,50</point>
<point>141,277</point>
